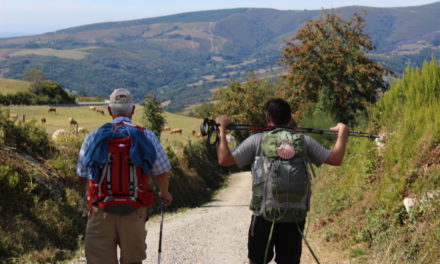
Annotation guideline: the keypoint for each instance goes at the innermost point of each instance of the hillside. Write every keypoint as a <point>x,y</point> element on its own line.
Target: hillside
<point>182,57</point>
<point>358,208</point>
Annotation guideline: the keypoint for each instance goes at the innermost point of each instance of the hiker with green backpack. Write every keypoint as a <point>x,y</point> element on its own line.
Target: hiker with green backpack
<point>281,181</point>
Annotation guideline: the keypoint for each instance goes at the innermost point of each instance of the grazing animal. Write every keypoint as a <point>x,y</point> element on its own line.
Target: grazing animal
<point>193,133</point>
<point>58,133</point>
<point>43,120</point>
<point>176,130</point>
<point>72,121</point>
<point>52,109</point>
<point>93,108</point>
<point>73,126</point>
<point>167,128</point>
<point>82,130</point>
<point>100,111</point>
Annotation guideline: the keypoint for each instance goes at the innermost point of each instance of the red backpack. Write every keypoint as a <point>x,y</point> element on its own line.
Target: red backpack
<point>122,187</point>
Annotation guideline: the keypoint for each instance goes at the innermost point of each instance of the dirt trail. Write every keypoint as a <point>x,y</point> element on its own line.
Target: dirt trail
<point>215,233</point>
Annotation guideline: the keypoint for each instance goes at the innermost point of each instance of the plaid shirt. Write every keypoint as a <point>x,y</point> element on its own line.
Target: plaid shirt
<point>161,164</point>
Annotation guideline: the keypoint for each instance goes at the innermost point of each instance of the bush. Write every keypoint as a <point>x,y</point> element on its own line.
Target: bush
<point>25,136</point>
<point>48,92</point>
<point>41,216</point>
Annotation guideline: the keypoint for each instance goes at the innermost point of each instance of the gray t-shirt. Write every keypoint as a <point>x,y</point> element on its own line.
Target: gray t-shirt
<point>245,153</point>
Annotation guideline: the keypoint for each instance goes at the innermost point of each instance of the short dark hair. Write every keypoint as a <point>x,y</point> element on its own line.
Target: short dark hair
<point>279,110</point>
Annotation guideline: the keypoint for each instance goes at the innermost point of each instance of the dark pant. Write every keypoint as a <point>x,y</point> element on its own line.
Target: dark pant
<point>285,238</point>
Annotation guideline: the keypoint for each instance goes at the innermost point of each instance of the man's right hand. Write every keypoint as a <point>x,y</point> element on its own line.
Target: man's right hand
<point>224,155</point>
<point>341,128</point>
<point>223,121</point>
<point>167,197</point>
<point>338,151</point>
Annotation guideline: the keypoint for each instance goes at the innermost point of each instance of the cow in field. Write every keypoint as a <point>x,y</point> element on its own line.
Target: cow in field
<point>100,111</point>
<point>92,108</point>
<point>72,121</point>
<point>52,109</point>
<point>167,128</point>
<point>82,130</point>
<point>43,120</point>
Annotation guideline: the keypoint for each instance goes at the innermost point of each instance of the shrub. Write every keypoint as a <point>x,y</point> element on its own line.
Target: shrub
<point>25,136</point>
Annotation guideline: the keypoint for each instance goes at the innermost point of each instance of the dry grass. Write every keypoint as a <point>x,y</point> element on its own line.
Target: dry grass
<point>91,120</point>
<point>9,86</point>
<point>72,54</point>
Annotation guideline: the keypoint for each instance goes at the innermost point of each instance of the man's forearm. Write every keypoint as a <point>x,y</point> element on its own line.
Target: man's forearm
<point>222,148</point>
<point>162,182</point>
<point>340,147</point>
<point>338,150</point>
<point>224,155</point>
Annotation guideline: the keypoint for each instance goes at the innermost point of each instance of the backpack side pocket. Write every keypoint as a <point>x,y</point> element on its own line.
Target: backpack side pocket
<point>258,179</point>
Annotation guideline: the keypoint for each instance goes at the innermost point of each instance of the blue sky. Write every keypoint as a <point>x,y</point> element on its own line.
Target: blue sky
<point>39,16</point>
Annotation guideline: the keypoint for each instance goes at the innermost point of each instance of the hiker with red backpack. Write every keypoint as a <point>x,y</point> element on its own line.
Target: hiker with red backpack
<point>281,181</point>
<point>114,164</point>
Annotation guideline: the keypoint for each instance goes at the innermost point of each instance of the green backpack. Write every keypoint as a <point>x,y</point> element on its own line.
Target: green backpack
<point>281,186</point>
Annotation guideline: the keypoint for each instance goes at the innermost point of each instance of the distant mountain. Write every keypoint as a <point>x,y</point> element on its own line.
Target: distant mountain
<point>183,57</point>
<point>13,34</point>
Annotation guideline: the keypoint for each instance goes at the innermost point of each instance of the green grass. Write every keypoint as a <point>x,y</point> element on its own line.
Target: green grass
<point>91,120</point>
<point>87,99</point>
<point>10,86</point>
<point>360,203</point>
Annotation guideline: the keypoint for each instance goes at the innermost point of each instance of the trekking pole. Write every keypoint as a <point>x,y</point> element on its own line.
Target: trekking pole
<point>210,128</point>
<point>307,244</point>
<point>159,251</point>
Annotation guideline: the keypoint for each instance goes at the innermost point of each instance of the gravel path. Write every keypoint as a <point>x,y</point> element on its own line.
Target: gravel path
<point>216,233</point>
<point>213,233</point>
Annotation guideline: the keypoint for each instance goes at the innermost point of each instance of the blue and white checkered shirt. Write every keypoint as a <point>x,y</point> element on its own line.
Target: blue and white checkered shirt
<point>161,164</point>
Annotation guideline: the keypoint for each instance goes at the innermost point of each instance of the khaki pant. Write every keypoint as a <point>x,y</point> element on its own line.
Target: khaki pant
<point>105,231</point>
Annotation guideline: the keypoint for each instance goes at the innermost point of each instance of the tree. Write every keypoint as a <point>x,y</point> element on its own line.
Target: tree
<point>153,115</point>
<point>244,101</point>
<point>50,92</point>
<point>204,110</point>
<point>35,77</point>
<point>327,61</point>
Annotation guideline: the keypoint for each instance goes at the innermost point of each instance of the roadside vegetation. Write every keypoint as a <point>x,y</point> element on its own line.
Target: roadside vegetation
<point>359,206</point>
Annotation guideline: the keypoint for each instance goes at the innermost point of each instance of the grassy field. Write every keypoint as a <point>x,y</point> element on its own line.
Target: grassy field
<point>91,120</point>
<point>9,86</point>
<point>73,54</point>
